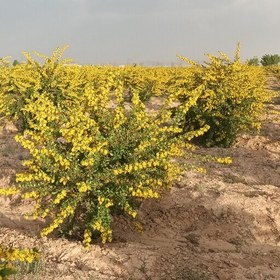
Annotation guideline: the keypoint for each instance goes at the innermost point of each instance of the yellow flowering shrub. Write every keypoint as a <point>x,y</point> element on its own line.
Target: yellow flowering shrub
<point>19,83</point>
<point>231,101</point>
<point>92,154</point>
<point>9,257</point>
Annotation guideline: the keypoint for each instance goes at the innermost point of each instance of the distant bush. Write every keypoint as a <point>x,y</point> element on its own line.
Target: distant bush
<point>270,59</point>
<point>15,62</point>
<point>253,61</point>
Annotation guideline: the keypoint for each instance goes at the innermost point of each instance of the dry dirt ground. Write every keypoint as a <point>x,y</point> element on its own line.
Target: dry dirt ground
<point>221,225</point>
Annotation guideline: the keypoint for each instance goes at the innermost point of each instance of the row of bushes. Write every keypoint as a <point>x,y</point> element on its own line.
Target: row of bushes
<point>231,94</point>
<point>96,151</point>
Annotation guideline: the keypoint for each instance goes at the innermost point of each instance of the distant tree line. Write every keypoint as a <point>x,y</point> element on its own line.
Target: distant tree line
<point>266,60</point>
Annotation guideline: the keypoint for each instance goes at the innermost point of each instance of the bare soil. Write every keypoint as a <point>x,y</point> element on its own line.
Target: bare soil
<point>221,225</point>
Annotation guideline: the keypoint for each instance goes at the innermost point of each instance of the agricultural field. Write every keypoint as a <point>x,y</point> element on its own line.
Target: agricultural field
<point>140,172</point>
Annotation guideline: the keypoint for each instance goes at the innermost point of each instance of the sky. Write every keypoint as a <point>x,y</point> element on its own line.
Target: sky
<point>139,31</point>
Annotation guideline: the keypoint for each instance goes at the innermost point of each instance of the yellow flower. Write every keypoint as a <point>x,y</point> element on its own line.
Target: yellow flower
<point>100,199</point>
<point>32,194</point>
<point>83,187</point>
<point>9,191</point>
<point>63,180</point>
<point>87,238</point>
<point>60,196</point>
<point>226,160</point>
<point>109,203</point>
<point>201,169</point>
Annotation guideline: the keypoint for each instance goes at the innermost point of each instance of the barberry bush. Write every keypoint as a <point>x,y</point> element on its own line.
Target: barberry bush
<point>92,154</point>
<point>231,101</point>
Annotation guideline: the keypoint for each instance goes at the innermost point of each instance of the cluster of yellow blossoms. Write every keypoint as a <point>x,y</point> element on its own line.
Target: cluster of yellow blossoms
<point>129,168</point>
<point>10,256</point>
<point>64,213</point>
<point>15,254</point>
<point>9,191</point>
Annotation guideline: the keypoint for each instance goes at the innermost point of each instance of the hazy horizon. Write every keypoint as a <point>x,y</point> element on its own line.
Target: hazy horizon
<point>146,32</point>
